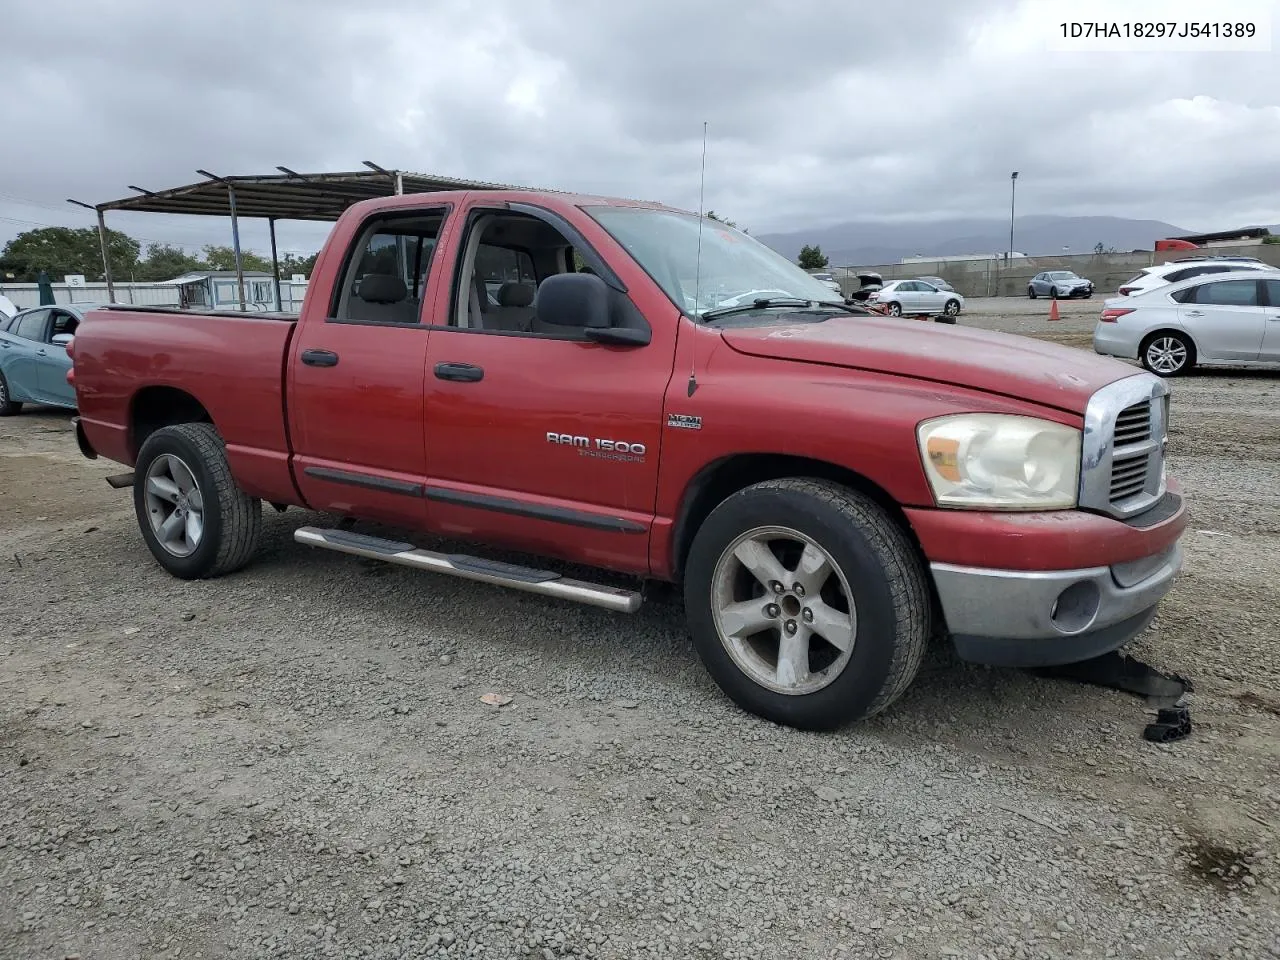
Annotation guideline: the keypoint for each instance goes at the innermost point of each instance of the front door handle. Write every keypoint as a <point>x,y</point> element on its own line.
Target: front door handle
<point>319,358</point>
<point>464,372</point>
<point>41,352</point>
<point>1195,313</point>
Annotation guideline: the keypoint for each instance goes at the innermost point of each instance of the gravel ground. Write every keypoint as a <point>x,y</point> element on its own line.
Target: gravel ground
<point>295,761</point>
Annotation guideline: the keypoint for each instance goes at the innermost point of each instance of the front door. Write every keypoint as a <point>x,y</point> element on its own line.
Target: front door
<point>541,440</point>
<point>356,377</point>
<point>1270,351</point>
<point>1226,319</point>
<point>52,362</point>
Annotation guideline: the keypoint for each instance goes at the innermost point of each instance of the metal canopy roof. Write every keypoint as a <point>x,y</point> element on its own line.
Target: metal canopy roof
<point>289,195</point>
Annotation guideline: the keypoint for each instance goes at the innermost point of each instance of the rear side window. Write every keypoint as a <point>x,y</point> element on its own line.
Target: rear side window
<point>1227,293</point>
<point>386,275</point>
<point>31,326</point>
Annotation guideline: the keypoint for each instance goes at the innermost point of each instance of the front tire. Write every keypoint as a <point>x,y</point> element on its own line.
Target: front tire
<point>1031,292</point>
<point>1168,354</point>
<point>950,311</point>
<point>807,603</point>
<point>194,519</point>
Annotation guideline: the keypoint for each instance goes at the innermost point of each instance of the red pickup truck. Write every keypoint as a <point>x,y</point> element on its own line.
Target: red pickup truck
<point>635,389</point>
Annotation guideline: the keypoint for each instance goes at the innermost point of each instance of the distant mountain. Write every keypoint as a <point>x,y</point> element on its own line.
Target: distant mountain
<point>866,243</point>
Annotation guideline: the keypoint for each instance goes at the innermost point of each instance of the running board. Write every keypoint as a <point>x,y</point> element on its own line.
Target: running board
<point>529,579</point>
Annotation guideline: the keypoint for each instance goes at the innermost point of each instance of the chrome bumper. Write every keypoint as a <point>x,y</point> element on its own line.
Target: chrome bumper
<point>1024,618</point>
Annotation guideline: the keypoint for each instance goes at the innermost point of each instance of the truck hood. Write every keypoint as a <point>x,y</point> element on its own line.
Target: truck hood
<point>1015,366</point>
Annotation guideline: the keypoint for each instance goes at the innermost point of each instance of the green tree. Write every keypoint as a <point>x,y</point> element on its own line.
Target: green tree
<point>224,258</point>
<point>812,258</point>
<point>291,263</point>
<point>64,250</point>
<point>164,262</point>
<point>711,215</point>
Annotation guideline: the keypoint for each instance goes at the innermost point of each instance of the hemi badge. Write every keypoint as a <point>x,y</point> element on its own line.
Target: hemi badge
<point>683,421</point>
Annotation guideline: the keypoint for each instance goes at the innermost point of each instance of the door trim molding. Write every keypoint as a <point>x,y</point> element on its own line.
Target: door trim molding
<point>535,511</point>
<point>368,481</point>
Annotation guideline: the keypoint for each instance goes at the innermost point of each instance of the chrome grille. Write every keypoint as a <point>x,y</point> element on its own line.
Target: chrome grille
<point>1122,453</point>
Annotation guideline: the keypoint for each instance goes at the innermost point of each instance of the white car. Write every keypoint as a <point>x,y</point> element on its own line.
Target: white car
<point>1184,269</point>
<point>1226,319</point>
<point>913,297</point>
<point>828,280</point>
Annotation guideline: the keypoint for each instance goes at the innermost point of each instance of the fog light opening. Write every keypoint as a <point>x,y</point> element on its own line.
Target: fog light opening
<point>1076,607</point>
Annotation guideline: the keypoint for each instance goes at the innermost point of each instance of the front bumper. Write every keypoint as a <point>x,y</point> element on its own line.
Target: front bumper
<point>1021,618</point>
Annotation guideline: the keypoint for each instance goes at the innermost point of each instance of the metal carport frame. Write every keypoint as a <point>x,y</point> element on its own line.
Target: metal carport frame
<point>288,195</point>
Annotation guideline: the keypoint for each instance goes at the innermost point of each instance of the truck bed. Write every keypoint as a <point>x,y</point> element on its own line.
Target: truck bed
<point>136,365</point>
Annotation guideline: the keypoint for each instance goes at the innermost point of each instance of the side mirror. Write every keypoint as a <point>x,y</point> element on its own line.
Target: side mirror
<point>62,339</point>
<point>573,300</point>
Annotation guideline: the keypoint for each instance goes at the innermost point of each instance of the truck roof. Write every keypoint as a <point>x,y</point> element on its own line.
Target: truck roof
<point>548,198</point>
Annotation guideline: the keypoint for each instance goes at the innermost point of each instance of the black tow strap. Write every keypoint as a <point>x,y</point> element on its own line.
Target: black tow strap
<point>1166,692</point>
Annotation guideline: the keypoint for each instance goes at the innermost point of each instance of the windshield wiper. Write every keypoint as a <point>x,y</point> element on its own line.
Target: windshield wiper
<point>762,303</point>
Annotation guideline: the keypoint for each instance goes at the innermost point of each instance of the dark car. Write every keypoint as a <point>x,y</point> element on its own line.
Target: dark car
<point>1060,285</point>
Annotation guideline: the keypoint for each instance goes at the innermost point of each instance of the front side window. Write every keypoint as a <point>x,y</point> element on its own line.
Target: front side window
<point>1228,293</point>
<point>732,264</point>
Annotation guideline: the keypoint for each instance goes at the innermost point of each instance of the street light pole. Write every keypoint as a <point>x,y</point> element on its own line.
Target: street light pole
<point>1013,196</point>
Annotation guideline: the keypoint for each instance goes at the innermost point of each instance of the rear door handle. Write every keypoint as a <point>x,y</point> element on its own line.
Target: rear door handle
<point>319,358</point>
<point>464,372</point>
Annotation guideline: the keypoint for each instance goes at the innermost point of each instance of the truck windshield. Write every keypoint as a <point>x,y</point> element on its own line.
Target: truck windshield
<point>735,269</point>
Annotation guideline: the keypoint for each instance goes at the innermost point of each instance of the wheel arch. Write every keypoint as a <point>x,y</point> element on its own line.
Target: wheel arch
<point>154,407</point>
<point>1186,334</point>
<point>722,478</point>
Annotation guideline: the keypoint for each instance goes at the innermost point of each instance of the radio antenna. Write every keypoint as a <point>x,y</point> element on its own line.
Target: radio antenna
<point>697,270</point>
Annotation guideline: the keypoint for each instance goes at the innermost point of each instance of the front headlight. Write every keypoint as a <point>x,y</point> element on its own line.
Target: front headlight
<point>998,461</point>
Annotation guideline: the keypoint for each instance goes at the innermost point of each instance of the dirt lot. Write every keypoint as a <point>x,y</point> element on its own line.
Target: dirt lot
<point>294,761</point>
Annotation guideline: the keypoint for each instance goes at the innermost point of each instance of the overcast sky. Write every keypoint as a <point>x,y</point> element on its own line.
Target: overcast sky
<point>818,112</point>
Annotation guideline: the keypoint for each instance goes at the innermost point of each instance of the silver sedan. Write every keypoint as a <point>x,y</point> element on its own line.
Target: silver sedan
<point>1221,319</point>
<point>915,297</point>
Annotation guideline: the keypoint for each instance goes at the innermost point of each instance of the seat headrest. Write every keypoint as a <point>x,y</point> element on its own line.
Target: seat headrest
<point>382,288</point>
<point>515,295</point>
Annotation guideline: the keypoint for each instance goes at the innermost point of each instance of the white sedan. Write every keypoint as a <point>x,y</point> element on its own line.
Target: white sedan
<point>915,297</point>
<point>1220,319</point>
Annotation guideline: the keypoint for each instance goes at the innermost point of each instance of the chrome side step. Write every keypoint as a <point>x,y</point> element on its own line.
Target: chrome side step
<point>529,579</point>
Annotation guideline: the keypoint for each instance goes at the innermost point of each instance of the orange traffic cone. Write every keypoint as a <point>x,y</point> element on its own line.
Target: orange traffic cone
<point>1053,310</point>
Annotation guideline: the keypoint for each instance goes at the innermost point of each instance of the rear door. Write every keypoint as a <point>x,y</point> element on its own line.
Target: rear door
<point>1225,318</point>
<point>356,368</point>
<point>18,350</point>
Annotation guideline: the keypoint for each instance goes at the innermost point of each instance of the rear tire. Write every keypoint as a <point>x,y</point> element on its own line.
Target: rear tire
<point>1167,353</point>
<point>8,407</point>
<point>895,309</point>
<point>872,601</point>
<point>182,472</point>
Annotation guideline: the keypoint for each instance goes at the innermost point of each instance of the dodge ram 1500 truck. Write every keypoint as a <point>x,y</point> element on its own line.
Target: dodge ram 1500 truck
<point>583,378</point>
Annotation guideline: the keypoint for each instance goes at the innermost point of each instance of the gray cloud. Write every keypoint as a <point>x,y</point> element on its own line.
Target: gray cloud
<point>818,112</point>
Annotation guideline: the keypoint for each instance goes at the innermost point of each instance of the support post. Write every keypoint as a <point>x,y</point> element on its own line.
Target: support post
<point>275,263</point>
<point>399,183</point>
<point>235,244</point>
<point>106,259</point>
